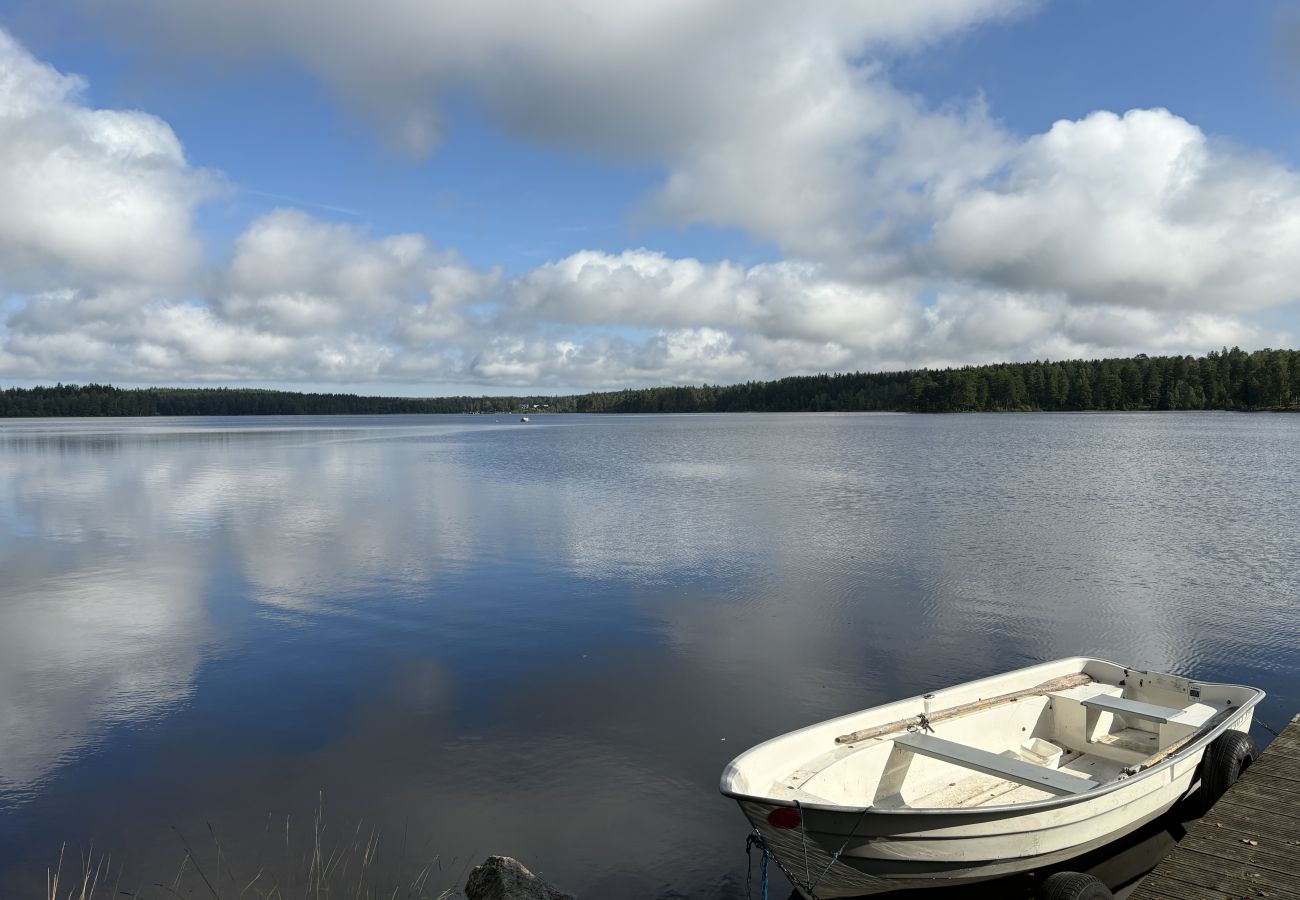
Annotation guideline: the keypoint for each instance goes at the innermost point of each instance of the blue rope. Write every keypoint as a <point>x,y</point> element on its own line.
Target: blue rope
<point>756,839</point>
<point>836,855</point>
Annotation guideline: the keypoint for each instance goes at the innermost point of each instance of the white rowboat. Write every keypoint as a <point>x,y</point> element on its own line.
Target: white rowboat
<point>989,778</point>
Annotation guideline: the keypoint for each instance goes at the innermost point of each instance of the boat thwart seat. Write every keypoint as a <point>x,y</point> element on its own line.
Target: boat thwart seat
<point>1119,705</point>
<point>1051,780</point>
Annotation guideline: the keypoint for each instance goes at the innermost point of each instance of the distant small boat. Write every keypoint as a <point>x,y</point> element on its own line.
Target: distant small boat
<point>990,778</point>
<point>523,419</point>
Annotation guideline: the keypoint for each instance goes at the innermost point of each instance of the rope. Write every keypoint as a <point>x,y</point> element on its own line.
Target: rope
<point>803,837</point>
<point>1266,727</point>
<point>922,726</point>
<point>756,839</point>
<point>836,855</point>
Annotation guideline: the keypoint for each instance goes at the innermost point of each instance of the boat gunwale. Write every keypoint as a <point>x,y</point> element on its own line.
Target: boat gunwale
<point>1257,695</point>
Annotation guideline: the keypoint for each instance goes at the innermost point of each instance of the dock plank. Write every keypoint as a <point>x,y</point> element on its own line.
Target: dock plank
<point>1168,886</point>
<point>1234,883</point>
<point>1269,854</point>
<point>1258,800</point>
<point>1284,793</point>
<point>1281,768</point>
<point>1244,818</point>
<point>1248,844</point>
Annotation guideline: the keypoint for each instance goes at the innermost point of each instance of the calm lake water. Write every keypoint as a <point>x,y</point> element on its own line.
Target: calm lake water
<point>477,636</point>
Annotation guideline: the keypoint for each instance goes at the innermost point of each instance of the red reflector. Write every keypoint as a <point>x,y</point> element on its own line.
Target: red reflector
<point>784,817</point>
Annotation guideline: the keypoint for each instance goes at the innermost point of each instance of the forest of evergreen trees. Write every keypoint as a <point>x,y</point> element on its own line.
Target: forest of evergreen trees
<point>1228,379</point>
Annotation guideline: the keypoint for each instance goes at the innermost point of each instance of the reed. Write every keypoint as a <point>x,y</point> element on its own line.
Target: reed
<point>323,868</point>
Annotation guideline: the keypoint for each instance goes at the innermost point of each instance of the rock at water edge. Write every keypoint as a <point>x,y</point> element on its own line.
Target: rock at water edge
<point>503,878</point>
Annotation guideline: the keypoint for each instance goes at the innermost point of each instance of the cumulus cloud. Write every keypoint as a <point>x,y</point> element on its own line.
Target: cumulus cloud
<point>301,299</point>
<point>778,119</point>
<point>295,275</point>
<point>1139,209</point>
<point>90,195</point>
<point>914,236</point>
<point>307,301</point>
<point>627,78</point>
<point>782,121</point>
<point>980,325</point>
<point>647,288</point>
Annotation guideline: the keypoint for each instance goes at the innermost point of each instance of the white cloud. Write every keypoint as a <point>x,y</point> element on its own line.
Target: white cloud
<point>1139,210</point>
<point>300,300</point>
<point>625,78</point>
<point>89,194</point>
<point>966,326</point>
<point>295,275</point>
<point>391,310</point>
<point>781,120</point>
<point>917,236</point>
<point>776,118</point>
<point>774,300</point>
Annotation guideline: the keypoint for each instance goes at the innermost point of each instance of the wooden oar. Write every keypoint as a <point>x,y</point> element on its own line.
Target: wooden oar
<point>1210,724</point>
<point>1064,683</point>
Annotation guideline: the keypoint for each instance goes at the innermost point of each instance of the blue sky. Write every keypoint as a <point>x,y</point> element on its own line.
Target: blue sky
<point>1214,64</point>
<point>431,199</point>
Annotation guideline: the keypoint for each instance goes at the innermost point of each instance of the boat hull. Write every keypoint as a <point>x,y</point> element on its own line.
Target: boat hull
<point>890,852</point>
<point>851,851</point>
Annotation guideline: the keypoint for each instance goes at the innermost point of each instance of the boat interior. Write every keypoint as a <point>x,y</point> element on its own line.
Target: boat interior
<point>994,742</point>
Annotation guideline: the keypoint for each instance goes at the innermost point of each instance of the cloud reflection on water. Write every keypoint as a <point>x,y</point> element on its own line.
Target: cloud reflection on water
<point>546,640</point>
<point>102,618</point>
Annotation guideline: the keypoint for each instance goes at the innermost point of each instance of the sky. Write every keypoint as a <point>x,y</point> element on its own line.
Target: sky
<point>430,198</point>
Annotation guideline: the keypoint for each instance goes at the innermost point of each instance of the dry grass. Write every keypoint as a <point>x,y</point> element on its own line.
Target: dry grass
<point>325,868</point>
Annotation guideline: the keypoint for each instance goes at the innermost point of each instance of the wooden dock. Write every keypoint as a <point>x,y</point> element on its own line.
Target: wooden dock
<point>1248,844</point>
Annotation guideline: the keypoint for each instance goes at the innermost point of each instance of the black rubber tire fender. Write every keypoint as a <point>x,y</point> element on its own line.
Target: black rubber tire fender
<point>1225,759</point>
<point>1072,886</point>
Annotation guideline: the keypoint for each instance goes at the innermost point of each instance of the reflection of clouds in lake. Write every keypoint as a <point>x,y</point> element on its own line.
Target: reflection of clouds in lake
<point>335,519</point>
<point>101,619</point>
<point>82,650</point>
<point>108,541</point>
<point>523,639</point>
<point>936,550</point>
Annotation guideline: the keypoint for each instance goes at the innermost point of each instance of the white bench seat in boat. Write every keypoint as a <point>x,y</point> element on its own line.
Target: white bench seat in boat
<point>1051,780</point>
<point>1161,714</point>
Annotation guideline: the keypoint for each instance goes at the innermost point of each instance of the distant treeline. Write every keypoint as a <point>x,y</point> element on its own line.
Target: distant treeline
<point>1228,379</point>
<point>106,400</point>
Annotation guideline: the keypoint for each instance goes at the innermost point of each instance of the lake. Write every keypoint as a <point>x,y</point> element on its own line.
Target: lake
<point>463,636</point>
